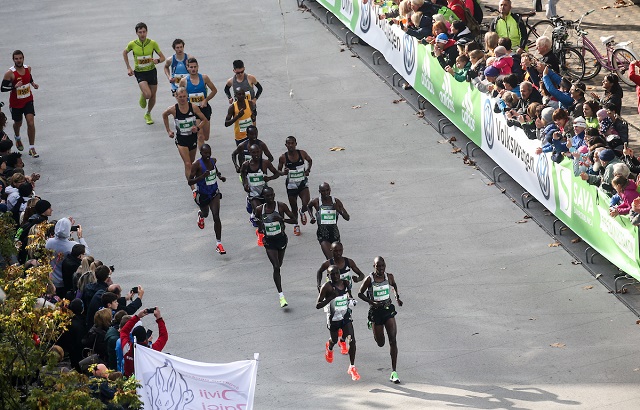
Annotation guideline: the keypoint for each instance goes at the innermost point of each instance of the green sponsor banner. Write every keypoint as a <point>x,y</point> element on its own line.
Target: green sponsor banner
<point>347,11</point>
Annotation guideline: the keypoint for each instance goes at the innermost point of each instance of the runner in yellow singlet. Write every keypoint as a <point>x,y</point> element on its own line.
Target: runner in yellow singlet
<point>241,115</point>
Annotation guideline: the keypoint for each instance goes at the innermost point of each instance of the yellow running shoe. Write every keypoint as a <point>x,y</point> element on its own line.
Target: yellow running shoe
<point>143,101</point>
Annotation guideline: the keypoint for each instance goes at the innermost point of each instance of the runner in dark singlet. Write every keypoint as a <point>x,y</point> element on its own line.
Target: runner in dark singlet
<point>197,85</point>
<point>271,218</point>
<point>335,294</point>
<point>241,153</point>
<point>293,162</point>
<point>205,174</point>
<point>327,210</point>
<point>375,290</point>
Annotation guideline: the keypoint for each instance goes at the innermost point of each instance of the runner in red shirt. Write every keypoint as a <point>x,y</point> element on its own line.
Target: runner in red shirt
<point>19,81</point>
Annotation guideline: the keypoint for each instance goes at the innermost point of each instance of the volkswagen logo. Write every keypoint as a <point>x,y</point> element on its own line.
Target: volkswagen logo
<point>409,54</point>
<point>543,175</point>
<point>365,17</point>
<point>487,119</point>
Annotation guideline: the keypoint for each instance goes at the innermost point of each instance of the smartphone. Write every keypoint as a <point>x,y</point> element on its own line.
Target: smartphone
<point>149,333</point>
<point>134,290</point>
<point>74,228</point>
<point>151,310</point>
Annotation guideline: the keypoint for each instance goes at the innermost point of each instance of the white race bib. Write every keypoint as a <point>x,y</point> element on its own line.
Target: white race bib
<point>272,228</point>
<point>145,61</point>
<point>211,179</point>
<point>24,91</point>
<point>328,217</point>
<point>244,124</point>
<point>196,98</point>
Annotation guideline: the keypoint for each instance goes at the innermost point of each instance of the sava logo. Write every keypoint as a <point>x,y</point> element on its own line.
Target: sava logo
<point>467,111</point>
<point>365,17</point>
<point>446,95</point>
<point>426,74</point>
<point>346,8</point>
<point>487,121</point>
<point>544,178</point>
<point>409,54</point>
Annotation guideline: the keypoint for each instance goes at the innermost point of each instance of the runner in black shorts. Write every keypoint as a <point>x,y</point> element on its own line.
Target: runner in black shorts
<point>327,210</point>
<point>293,162</point>
<point>186,116</point>
<point>271,223</point>
<point>201,90</point>
<point>375,290</point>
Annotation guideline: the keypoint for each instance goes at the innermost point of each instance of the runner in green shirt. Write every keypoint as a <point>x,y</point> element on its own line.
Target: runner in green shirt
<point>145,67</point>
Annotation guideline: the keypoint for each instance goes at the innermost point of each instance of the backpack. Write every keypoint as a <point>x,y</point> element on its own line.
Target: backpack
<point>472,24</point>
<point>478,14</point>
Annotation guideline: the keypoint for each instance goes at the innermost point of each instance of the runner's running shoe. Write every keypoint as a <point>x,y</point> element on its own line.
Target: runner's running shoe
<point>220,249</point>
<point>353,372</point>
<point>283,302</point>
<point>260,238</point>
<point>33,153</point>
<point>143,101</point>
<point>303,217</point>
<point>200,221</point>
<point>296,230</point>
<point>19,145</point>
<point>148,119</point>
<point>340,333</point>
<point>344,346</point>
<point>328,354</point>
<point>394,378</point>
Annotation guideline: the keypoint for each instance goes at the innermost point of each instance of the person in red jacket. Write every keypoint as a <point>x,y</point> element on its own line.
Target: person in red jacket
<point>457,6</point>
<point>128,332</point>
<point>634,75</point>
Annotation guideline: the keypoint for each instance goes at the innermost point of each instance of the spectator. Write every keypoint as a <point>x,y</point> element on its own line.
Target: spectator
<point>61,246</point>
<point>627,191</point>
<point>547,98</point>
<point>462,68</point>
<point>417,30</point>
<point>577,91</point>
<point>457,6</point>
<point>547,125</point>
<point>103,280</point>
<point>427,9</point>
<point>445,50</point>
<point>476,57</point>
<point>548,57</point>
<point>134,297</point>
<point>490,43</point>
<point>510,25</point>
<point>558,87</point>
<point>111,338</point>
<point>488,84</point>
<point>563,121</point>
<point>590,108</point>
<point>607,159</point>
<point>103,299</point>
<point>15,180</point>
<point>85,279</point>
<point>612,92</point>
<point>70,265</point>
<point>503,61</point>
<point>95,339</point>
<point>634,75</point>
<point>42,211</point>
<point>17,201</point>
<point>437,29</point>
<point>528,95</point>
<point>511,84</point>
<point>140,335</point>
<point>551,9</point>
<point>72,337</point>
<point>460,31</point>
<point>516,68</point>
<point>14,161</point>
<point>606,127</point>
<point>620,125</point>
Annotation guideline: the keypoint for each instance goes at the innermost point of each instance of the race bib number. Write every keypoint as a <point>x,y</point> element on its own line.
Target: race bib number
<point>256,179</point>
<point>296,175</point>
<point>346,276</point>
<point>272,228</point>
<point>179,76</point>
<point>381,293</point>
<point>24,91</point>
<point>211,179</point>
<point>144,61</point>
<point>328,217</point>
<point>244,124</point>
<point>196,98</point>
<point>184,126</point>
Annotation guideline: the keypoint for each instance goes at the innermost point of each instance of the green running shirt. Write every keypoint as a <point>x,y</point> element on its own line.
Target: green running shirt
<point>143,54</point>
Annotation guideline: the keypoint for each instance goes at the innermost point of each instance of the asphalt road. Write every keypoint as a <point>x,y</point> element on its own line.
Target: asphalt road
<point>493,316</point>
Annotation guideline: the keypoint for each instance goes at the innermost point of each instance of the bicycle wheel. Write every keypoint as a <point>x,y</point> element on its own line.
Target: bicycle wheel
<point>620,60</point>
<point>541,28</point>
<point>591,65</point>
<point>572,64</point>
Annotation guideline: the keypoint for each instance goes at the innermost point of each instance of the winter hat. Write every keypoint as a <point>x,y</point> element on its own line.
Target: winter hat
<point>42,206</point>
<point>442,38</point>
<point>602,114</point>
<point>547,115</point>
<point>607,155</point>
<point>580,122</point>
<point>491,71</point>
<point>605,124</point>
<point>500,51</point>
<point>583,149</point>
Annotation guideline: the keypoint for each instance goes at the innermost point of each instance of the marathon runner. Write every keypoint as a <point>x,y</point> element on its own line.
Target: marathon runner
<point>246,82</point>
<point>293,162</point>
<point>253,174</point>
<point>145,67</point>
<point>196,85</point>
<point>176,68</point>
<point>271,216</point>
<point>335,294</point>
<point>241,114</point>
<point>205,175</point>
<point>241,153</point>
<point>185,117</point>
<point>375,290</point>
<point>327,210</point>
<point>19,80</point>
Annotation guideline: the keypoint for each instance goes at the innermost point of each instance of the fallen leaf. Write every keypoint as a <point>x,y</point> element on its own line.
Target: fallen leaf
<point>392,182</point>
<point>636,369</point>
<point>527,217</point>
<point>558,345</point>
<point>399,101</point>
<point>476,333</point>
<point>575,262</point>
<point>420,114</point>
<point>468,160</point>
<point>512,200</point>
<point>336,149</point>
<point>490,183</point>
<point>443,141</point>
<point>576,240</point>
<point>598,275</point>
<point>605,7</point>
<point>453,139</point>
<point>355,107</point>
<point>588,287</point>
<point>342,50</point>
<point>503,190</point>
<point>356,56</point>
<point>455,150</point>
<point>554,245</point>
<point>532,318</point>
<point>564,228</point>
<point>522,221</point>
<point>637,322</point>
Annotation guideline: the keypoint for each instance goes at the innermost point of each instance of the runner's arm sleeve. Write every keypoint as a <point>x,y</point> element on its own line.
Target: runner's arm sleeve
<point>227,91</point>
<point>7,85</point>
<point>259,87</point>
<point>31,79</point>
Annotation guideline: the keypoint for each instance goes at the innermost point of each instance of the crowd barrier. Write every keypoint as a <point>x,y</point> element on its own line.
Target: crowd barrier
<point>581,207</point>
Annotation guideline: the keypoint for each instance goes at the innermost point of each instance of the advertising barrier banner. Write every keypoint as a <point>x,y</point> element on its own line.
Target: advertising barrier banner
<point>581,207</point>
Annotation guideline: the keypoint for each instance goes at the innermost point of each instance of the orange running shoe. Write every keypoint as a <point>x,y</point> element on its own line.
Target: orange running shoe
<point>220,249</point>
<point>340,333</point>
<point>328,354</point>
<point>296,230</point>
<point>200,221</point>
<point>353,372</point>
<point>260,238</point>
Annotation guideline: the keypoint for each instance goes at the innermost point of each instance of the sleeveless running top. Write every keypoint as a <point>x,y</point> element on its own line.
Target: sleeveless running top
<point>296,176</point>
<point>184,122</point>
<point>209,185</point>
<point>327,214</point>
<point>339,306</point>
<point>240,126</point>
<point>244,86</point>
<point>197,93</point>
<point>143,54</point>
<point>20,96</point>
<point>272,227</point>
<point>178,69</point>
<point>245,148</point>
<point>379,291</point>
<point>255,179</point>
<point>345,272</point>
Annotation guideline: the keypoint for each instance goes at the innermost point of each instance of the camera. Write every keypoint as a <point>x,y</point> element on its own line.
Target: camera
<point>113,268</point>
<point>134,290</point>
<point>74,228</point>
<point>151,310</point>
